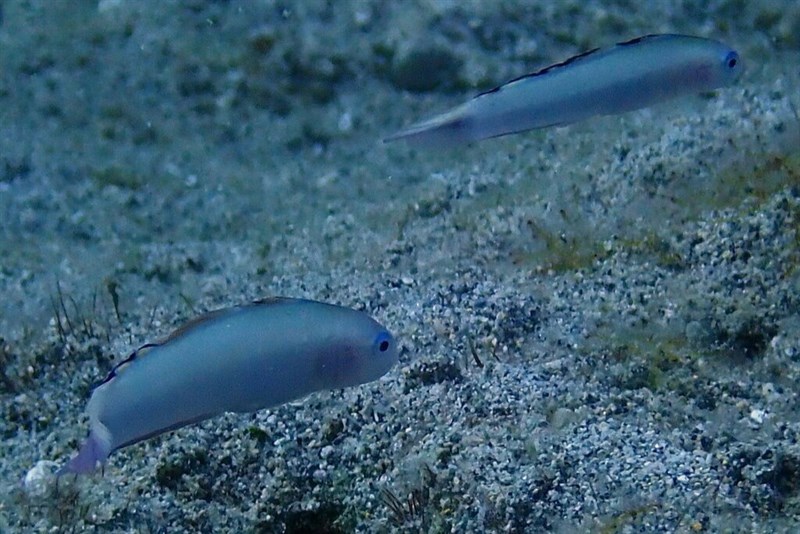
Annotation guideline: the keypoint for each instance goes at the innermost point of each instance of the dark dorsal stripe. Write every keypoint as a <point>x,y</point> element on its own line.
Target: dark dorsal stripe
<point>567,62</point>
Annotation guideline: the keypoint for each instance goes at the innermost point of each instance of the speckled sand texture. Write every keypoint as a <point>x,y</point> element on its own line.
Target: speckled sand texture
<point>599,324</point>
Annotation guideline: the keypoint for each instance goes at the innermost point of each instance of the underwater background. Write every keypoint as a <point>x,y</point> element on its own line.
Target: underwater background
<point>599,324</point>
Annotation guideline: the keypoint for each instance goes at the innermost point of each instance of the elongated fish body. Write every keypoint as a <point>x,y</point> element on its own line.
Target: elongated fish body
<point>235,360</point>
<point>627,76</point>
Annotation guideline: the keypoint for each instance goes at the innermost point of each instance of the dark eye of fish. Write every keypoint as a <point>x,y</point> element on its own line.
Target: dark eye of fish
<point>382,342</point>
<point>732,59</point>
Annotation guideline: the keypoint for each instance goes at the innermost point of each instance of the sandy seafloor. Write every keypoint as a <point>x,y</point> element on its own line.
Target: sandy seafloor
<point>630,285</point>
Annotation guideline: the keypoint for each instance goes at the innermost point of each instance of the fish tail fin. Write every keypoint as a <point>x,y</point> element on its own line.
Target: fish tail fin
<point>94,451</point>
<point>447,130</point>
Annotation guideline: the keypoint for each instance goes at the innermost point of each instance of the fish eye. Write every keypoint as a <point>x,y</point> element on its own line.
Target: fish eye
<point>731,60</point>
<point>383,341</point>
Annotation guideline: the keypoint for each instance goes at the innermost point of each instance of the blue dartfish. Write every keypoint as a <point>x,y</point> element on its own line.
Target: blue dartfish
<point>624,77</point>
<point>239,359</point>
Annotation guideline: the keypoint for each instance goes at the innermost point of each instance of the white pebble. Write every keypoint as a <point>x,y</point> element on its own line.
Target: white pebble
<point>758,415</point>
<point>38,478</point>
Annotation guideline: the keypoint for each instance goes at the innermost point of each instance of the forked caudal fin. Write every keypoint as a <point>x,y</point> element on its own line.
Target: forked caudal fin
<point>447,130</point>
<point>94,451</point>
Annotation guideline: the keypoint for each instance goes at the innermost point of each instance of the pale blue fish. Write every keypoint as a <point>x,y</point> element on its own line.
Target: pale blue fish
<point>624,77</point>
<point>239,359</point>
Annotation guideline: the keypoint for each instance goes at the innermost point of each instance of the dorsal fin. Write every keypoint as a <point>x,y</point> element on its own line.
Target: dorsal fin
<point>178,332</point>
<point>541,72</point>
<point>646,38</point>
<point>202,319</point>
<point>569,61</point>
<point>193,323</point>
<point>187,327</point>
<point>269,301</point>
<point>127,361</point>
